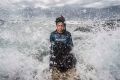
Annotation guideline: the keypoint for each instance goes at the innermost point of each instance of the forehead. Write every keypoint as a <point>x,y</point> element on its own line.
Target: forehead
<point>60,23</point>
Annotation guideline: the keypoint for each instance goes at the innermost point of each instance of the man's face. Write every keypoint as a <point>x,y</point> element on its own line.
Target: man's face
<point>60,27</point>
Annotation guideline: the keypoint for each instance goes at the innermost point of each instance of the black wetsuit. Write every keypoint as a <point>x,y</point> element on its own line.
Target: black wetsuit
<point>61,45</point>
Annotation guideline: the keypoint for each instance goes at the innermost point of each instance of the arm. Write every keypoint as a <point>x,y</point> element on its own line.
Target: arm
<point>51,52</point>
<point>70,43</point>
<point>52,42</point>
<point>51,38</point>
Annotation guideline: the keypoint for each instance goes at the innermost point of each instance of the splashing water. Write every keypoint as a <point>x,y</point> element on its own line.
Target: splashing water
<point>24,50</point>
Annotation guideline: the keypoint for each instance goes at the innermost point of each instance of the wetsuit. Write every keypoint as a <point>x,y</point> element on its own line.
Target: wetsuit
<point>61,45</point>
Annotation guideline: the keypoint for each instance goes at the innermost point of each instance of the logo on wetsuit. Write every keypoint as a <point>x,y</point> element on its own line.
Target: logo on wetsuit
<point>61,38</point>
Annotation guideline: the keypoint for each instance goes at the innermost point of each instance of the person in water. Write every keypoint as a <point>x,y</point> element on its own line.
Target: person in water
<point>62,61</point>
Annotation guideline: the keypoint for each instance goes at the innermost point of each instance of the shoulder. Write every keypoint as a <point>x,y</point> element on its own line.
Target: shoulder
<point>52,33</point>
<point>68,33</point>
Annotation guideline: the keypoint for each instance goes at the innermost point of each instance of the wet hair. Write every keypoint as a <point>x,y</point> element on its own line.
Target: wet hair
<point>60,19</point>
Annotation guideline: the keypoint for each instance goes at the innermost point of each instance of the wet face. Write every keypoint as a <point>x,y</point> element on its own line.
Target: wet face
<point>60,27</point>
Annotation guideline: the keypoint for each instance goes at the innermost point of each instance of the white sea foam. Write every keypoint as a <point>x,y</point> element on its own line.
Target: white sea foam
<point>24,51</point>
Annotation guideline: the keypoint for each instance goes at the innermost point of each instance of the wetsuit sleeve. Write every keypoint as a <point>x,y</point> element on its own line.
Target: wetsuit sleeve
<point>52,42</point>
<point>51,51</point>
<point>51,38</point>
<point>70,42</point>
